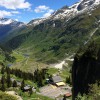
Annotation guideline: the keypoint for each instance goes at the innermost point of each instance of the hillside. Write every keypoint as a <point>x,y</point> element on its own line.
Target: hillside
<point>5,56</point>
<point>5,96</point>
<point>54,39</point>
<point>37,59</point>
<point>8,25</point>
<point>86,67</point>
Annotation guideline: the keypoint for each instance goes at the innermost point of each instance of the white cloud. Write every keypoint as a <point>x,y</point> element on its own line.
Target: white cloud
<point>15,12</point>
<point>15,4</point>
<point>44,9</point>
<point>41,8</point>
<point>49,12</point>
<point>4,13</point>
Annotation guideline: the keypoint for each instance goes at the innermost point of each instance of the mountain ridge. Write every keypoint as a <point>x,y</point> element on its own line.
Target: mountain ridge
<point>56,37</point>
<point>7,25</point>
<point>72,11</point>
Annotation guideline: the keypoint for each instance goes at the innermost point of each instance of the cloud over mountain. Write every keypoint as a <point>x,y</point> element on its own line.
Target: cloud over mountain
<point>15,4</point>
<point>41,8</point>
<point>4,13</point>
<point>44,9</point>
<point>49,12</point>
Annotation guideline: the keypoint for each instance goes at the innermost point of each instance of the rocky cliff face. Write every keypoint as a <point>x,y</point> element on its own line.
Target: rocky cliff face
<point>86,68</point>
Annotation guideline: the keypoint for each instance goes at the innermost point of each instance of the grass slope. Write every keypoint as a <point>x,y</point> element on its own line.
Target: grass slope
<point>54,42</point>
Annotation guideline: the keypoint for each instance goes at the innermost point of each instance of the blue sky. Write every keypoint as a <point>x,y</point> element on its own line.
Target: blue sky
<point>26,10</point>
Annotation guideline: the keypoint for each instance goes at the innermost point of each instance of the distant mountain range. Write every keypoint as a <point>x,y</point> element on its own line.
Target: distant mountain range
<point>69,31</point>
<point>56,36</point>
<point>7,25</point>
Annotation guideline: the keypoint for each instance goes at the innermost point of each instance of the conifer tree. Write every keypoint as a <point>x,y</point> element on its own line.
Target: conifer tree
<point>3,87</point>
<point>14,84</point>
<point>8,70</point>
<point>64,97</point>
<point>2,70</point>
<point>3,79</point>
<point>40,81</point>
<point>22,85</point>
<point>8,80</point>
<point>30,91</point>
<point>3,83</point>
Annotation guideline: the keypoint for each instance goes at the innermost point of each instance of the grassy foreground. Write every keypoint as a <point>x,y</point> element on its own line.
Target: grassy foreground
<point>34,96</point>
<point>4,96</point>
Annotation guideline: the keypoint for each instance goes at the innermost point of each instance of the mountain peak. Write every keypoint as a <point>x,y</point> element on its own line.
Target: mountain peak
<point>6,21</point>
<point>87,3</point>
<point>68,12</point>
<point>65,7</point>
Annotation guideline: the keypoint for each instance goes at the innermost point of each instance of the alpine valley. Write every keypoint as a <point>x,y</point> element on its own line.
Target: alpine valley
<point>69,40</point>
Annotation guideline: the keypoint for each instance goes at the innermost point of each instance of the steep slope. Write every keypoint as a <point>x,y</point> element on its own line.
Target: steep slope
<point>86,67</point>
<point>2,56</point>
<point>5,56</point>
<point>67,13</point>
<point>54,38</point>
<point>7,25</point>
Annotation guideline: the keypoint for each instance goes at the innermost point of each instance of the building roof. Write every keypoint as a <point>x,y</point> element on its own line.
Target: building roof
<point>56,79</point>
<point>26,87</point>
<point>60,84</point>
<point>68,94</point>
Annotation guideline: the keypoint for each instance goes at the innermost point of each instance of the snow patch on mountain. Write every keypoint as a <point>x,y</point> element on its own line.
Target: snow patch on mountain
<point>5,21</point>
<point>69,12</point>
<point>36,21</point>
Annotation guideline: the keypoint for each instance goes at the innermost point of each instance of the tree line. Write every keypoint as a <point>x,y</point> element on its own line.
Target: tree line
<point>37,77</point>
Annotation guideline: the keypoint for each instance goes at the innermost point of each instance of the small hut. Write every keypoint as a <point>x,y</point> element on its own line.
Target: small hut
<point>57,80</point>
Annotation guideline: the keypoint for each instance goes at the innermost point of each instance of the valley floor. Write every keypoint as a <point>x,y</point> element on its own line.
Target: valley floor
<point>49,91</point>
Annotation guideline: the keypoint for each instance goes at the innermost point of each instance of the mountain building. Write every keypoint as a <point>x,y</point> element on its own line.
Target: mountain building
<point>57,80</point>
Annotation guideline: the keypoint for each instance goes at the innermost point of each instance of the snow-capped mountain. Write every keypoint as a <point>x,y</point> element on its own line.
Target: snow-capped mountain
<point>78,8</point>
<point>7,21</point>
<point>69,12</point>
<point>36,21</point>
<point>60,34</point>
<point>65,13</point>
<point>7,25</point>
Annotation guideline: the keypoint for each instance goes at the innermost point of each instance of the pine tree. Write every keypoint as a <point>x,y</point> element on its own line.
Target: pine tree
<point>30,91</point>
<point>3,79</point>
<point>3,87</point>
<point>14,84</point>
<point>3,83</point>
<point>8,70</point>
<point>2,70</point>
<point>68,80</point>
<point>22,85</point>
<point>8,80</point>
<point>40,81</point>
